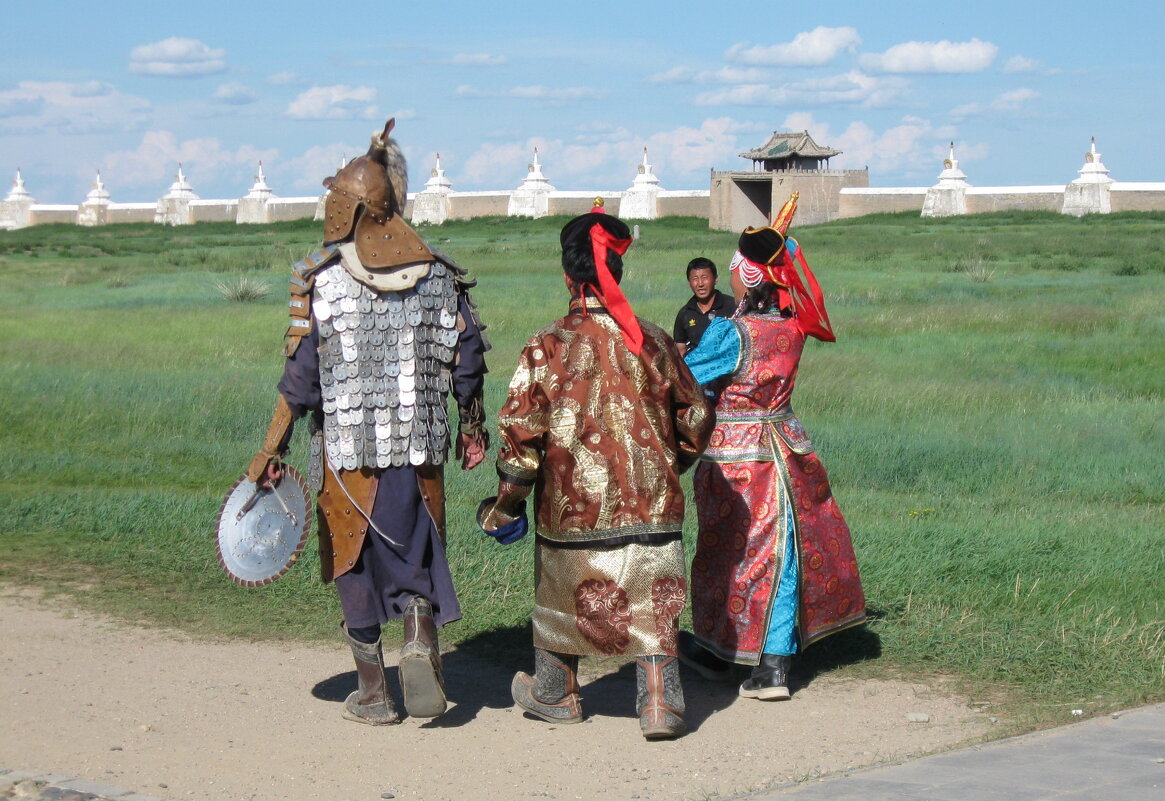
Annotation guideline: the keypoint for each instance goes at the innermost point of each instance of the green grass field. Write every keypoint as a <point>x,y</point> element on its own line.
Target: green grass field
<point>991,417</point>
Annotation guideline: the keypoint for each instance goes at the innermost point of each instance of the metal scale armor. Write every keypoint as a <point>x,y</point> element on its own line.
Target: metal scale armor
<point>385,361</point>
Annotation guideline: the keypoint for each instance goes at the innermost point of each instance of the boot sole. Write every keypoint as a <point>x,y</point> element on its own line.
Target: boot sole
<point>664,732</point>
<point>424,697</point>
<point>356,718</point>
<point>766,693</point>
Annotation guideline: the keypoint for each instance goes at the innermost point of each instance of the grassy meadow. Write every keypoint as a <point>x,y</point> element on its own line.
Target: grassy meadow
<point>991,417</point>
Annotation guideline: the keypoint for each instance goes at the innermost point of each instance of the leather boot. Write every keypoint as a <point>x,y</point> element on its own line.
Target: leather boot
<point>659,697</point>
<point>372,702</point>
<point>420,662</point>
<point>552,693</point>
<point>769,680</point>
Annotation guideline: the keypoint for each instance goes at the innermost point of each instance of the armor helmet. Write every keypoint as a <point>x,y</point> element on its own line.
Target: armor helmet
<point>366,200</point>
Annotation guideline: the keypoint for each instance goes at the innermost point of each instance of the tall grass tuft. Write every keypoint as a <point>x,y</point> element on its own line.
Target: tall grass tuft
<point>243,289</point>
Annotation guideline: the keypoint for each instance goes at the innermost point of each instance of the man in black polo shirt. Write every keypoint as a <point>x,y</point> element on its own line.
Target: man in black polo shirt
<point>706,302</point>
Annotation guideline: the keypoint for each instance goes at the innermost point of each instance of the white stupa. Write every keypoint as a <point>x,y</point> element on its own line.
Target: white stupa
<point>181,188</point>
<point>1089,194</point>
<point>16,207</point>
<point>18,194</point>
<point>94,210</point>
<point>948,197</point>
<point>531,199</point>
<point>431,204</point>
<point>253,208</point>
<point>173,208</point>
<point>640,201</point>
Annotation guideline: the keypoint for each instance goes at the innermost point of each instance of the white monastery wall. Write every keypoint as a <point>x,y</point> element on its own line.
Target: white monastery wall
<point>858,202</point>
<point>734,200</point>
<point>982,199</point>
<point>1137,196</point>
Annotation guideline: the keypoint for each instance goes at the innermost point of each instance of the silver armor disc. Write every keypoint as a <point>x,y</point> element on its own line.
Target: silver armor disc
<point>261,533</point>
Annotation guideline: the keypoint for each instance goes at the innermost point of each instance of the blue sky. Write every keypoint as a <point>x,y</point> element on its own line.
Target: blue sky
<point>133,88</point>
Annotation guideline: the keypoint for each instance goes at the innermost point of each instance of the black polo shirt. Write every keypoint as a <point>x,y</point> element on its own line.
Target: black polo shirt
<point>691,322</point>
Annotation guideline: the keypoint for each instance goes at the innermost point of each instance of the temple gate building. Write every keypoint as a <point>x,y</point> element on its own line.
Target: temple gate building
<point>788,162</point>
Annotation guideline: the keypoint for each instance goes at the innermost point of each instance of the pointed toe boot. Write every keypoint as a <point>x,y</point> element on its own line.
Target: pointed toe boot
<point>552,693</point>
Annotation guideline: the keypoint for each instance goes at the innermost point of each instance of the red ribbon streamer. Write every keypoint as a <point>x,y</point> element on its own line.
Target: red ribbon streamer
<point>608,289</point>
<point>808,299</point>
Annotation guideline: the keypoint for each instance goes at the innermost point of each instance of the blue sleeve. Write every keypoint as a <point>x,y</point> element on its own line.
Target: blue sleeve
<point>718,353</point>
<point>300,385</point>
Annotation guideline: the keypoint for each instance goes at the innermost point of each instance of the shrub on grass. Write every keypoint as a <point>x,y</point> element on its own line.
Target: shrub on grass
<point>243,289</point>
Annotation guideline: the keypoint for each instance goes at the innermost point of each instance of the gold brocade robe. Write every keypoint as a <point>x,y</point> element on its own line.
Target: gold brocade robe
<point>603,435</point>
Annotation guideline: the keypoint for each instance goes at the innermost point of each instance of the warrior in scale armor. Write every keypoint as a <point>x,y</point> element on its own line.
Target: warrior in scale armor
<point>382,329</point>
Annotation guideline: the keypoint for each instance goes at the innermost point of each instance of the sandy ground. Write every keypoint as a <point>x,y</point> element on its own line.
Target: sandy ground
<point>161,714</point>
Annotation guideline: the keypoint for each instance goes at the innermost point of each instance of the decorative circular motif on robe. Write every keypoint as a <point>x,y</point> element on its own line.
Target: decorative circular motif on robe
<point>736,604</point>
<point>758,571</point>
<point>831,585</point>
<point>667,602</point>
<point>765,376</point>
<point>717,438</point>
<point>783,343</point>
<point>816,561</point>
<point>602,615</point>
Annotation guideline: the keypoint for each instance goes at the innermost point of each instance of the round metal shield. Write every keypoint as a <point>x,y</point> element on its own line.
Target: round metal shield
<point>261,533</point>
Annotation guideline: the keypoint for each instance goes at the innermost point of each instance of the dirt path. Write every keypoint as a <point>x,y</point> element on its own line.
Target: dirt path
<point>161,714</point>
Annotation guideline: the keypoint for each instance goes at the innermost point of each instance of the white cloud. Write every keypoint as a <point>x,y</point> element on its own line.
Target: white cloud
<point>933,57</point>
<point>910,146</point>
<point>810,49</point>
<point>284,79</point>
<point>477,60</point>
<point>1020,65</point>
<point>693,150</point>
<point>35,107</point>
<point>235,94</point>
<point>308,170</point>
<point>850,88</point>
<point>1007,102</point>
<point>535,93</point>
<point>722,75</point>
<point>177,58</point>
<point>605,158</point>
<point>334,103</point>
<point>156,157</point>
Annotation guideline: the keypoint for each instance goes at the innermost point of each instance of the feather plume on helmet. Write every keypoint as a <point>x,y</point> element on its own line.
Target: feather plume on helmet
<point>366,202</point>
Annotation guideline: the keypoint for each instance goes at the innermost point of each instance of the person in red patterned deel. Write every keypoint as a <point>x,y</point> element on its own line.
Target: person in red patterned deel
<point>601,418</point>
<point>774,570</point>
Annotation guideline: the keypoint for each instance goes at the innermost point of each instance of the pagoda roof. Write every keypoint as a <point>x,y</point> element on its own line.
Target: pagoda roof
<point>786,144</point>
